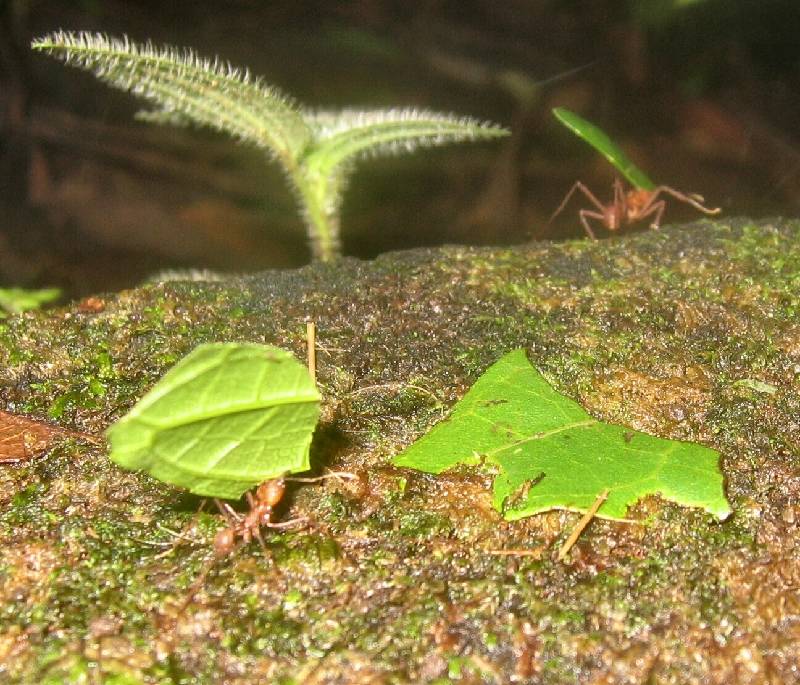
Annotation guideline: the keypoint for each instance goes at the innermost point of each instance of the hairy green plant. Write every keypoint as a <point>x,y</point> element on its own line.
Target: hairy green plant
<point>317,149</point>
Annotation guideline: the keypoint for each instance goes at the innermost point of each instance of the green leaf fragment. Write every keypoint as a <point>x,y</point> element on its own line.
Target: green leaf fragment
<point>225,418</point>
<point>17,300</point>
<point>551,454</point>
<point>600,141</point>
<point>757,385</point>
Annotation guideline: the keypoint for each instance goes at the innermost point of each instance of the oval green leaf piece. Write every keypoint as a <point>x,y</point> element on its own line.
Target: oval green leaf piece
<point>549,453</point>
<point>225,418</point>
<point>600,141</point>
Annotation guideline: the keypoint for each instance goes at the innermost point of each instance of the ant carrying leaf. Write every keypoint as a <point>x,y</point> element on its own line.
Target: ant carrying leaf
<point>262,507</point>
<point>627,207</point>
<point>268,496</point>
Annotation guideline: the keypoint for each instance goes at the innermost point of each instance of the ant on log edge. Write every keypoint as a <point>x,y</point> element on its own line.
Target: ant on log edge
<point>629,207</point>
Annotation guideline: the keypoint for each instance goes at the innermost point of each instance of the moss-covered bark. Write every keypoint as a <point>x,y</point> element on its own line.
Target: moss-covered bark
<point>690,333</point>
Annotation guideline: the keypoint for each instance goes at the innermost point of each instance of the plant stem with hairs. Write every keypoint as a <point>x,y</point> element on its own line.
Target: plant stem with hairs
<point>317,150</point>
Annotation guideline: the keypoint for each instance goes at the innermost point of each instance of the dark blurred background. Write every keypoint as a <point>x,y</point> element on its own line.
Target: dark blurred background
<point>703,94</point>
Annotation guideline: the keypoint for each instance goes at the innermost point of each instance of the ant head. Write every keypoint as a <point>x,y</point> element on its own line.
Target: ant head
<point>271,492</point>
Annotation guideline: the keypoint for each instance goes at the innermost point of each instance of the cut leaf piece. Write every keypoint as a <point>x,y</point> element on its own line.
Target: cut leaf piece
<point>551,454</point>
<point>600,141</point>
<point>225,418</point>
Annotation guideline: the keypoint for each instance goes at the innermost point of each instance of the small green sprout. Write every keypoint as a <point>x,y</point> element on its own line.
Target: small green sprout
<point>316,149</point>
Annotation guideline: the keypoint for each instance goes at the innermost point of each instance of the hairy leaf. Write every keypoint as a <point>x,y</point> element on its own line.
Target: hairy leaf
<point>185,87</point>
<point>600,141</point>
<point>350,134</point>
<point>549,453</point>
<point>225,418</point>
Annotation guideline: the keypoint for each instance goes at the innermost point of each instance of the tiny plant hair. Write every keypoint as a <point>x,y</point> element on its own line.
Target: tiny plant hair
<point>317,150</point>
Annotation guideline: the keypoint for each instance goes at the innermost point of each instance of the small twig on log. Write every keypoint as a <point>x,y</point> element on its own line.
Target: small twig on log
<point>578,529</point>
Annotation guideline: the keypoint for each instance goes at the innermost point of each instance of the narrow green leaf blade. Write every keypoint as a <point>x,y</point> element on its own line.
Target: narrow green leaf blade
<point>551,454</point>
<point>600,141</point>
<point>187,87</point>
<point>226,417</point>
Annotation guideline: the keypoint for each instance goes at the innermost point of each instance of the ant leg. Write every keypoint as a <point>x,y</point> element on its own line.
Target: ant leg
<point>656,208</point>
<point>257,535</point>
<point>578,186</point>
<point>302,520</point>
<point>182,535</point>
<point>227,511</point>
<point>584,215</point>
<point>248,534</point>
<point>693,200</point>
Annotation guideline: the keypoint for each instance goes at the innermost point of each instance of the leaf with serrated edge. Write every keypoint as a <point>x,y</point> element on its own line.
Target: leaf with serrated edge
<point>225,418</point>
<point>551,454</point>
<point>600,141</point>
<point>344,136</point>
<point>186,87</point>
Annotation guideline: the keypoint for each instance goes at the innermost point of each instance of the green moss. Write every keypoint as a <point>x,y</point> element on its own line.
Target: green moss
<point>294,552</point>
<point>423,524</point>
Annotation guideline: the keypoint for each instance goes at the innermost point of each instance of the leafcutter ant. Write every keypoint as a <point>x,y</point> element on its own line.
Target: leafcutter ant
<point>262,506</point>
<point>630,206</point>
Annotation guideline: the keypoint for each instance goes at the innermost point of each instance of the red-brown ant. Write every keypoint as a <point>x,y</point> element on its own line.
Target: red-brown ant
<point>248,527</point>
<point>629,207</point>
<point>268,496</point>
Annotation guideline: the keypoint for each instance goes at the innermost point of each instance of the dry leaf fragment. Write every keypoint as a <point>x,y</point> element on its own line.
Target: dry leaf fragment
<point>22,438</point>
